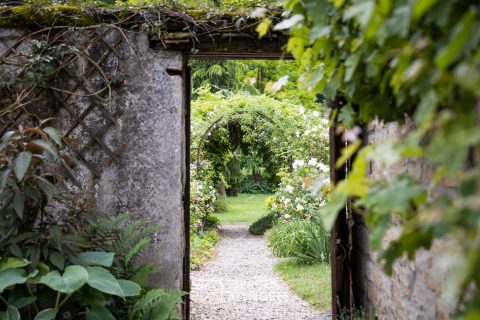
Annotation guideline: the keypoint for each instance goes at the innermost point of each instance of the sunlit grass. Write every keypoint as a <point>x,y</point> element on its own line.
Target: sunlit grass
<point>310,282</point>
<point>243,209</point>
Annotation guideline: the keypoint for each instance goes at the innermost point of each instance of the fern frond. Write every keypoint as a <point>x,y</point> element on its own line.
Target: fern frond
<point>157,304</point>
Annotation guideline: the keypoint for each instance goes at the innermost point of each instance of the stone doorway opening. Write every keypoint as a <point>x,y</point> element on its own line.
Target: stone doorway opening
<point>232,122</point>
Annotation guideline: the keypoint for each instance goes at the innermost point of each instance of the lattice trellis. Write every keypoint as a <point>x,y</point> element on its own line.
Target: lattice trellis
<point>79,95</point>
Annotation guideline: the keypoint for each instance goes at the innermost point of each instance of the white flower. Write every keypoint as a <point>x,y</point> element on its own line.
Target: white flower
<point>316,114</point>
<point>312,162</point>
<point>274,206</point>
<point>297,199</point>
<point>298,163</point>
<point>323,167</point>
<point>287,216</point>
<point>289,188</point>
<point>301,110</point>
<point>299,207</point>
<point>287,201</point>
<point>297,134</point>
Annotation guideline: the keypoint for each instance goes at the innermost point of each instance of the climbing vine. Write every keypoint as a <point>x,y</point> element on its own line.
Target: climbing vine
<point>414,62</point>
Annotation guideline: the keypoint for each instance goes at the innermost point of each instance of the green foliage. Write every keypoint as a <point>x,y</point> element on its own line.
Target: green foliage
<point>55,263</point>
<point>388,59</point>
<point>303,240</point>
<point>254,136</point>
<point>201,245</point>
<point>259,227</point>
<point>157,304</point>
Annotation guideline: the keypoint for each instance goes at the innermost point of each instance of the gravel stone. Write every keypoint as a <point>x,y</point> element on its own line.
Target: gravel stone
<point>240,283</point>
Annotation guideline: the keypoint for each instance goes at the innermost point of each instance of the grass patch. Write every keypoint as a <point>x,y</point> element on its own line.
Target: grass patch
<point>243,209</point>
<point>310,282</point>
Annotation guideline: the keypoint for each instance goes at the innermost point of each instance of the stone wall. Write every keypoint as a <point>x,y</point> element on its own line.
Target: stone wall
<point>414,291</point>
<point>131,142</point>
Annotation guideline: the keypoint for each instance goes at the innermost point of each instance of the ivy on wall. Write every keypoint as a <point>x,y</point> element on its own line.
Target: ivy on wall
<point>415,61</point>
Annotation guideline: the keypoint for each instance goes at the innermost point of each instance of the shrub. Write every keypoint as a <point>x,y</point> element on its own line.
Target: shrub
<point>259,227</point>
<point>252,187</point>
<point>302,240</point>
<point>201,247</point>
<point>212,222</point>
<point>220,205</point>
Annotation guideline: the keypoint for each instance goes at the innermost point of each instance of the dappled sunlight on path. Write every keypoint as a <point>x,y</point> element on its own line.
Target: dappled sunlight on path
<point>240,283</point>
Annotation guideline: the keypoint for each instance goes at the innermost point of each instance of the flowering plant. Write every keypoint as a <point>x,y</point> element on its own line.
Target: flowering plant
<point>302,191</point>
<point>203,196</point>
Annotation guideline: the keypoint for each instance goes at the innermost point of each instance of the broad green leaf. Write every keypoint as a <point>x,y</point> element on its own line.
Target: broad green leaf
<point>347,153</point>
<point>102,280</point>
<point>19,203</point>
<point>296,46</point>
<point>73,279</point>
<point>13,262</point>
<point>99,313</point>
<point>12,313</point>
<point>54,135</point>
<point>21,302</point>
<point>361,11</point>
<point>94,258</point>
<point>329,212</point>
<point>21,163</point>
<point>263,27</point>
<point>460,36</point>
<point>351,65</point>
<point>47,314</point>
<point>130,288</point>
<point>347,116</point>
<point>9,277</point>
<point>422,6</point>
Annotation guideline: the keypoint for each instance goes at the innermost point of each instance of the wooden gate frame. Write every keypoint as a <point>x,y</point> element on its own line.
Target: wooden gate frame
<point>341,234</point>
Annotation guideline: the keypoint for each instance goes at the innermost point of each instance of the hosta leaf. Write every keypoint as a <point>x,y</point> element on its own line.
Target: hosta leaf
<point>94,258</point>
<point>12,313</point>
<point>102,280</point>
<point>22,301</point>
<point>47,314</point>
<point>9,277</point>
<point>21,163</point>
<point>73,279</point>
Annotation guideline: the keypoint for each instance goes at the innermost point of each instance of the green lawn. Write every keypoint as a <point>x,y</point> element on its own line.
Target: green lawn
<point>310,282</point>
<point>243,209</point>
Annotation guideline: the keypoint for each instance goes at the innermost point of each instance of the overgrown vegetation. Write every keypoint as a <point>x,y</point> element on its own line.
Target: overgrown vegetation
<point>305,242</point>
<point>64,261</point>
<point>405,61</point>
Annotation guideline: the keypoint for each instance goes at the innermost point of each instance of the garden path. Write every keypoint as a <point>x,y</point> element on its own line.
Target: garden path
<point>240,284</point>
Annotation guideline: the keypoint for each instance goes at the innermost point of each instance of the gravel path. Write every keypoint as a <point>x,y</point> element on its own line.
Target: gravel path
<point>240,283</point>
